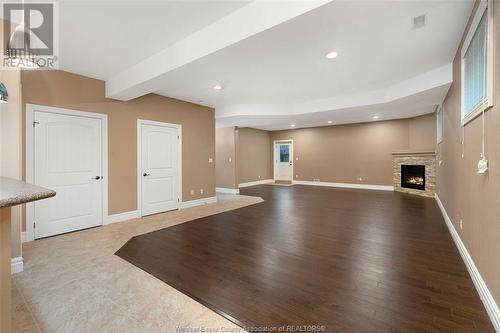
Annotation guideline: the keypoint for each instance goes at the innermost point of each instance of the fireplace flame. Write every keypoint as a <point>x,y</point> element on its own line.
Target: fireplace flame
<point>415,180</point>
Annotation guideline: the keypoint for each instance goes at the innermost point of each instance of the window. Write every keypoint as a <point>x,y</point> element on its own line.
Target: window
<point>477,61</point>
<point>284,153</point>
<point>439,123</point>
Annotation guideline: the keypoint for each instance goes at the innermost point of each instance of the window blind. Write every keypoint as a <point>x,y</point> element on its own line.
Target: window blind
<point>475,69</point>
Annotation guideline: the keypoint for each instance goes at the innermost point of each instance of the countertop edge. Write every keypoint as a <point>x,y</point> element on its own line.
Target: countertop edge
<point>15,192</point>
<point>25,198</point>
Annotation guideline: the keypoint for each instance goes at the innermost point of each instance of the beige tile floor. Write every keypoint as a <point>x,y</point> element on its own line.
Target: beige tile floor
<point>75,283</point>
<point>22,318</point>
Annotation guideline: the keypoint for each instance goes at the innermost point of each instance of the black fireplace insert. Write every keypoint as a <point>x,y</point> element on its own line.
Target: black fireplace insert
<point>413,176</point>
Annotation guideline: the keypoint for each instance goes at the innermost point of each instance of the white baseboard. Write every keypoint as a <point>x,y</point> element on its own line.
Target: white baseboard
<point>482,288</point>
<point>197,202</point>
<point>346,185</point>
<point>27,236</point>
<point>115,218</point>
<point>121,217</point>
<point>16,265</point>
<point>257,182</point>
<point>227,190</point>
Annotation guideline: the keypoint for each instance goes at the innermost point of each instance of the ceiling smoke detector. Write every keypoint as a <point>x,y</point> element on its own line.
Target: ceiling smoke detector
<point>419,21</point>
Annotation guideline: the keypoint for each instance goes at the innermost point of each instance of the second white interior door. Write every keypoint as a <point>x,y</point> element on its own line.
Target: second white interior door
<point>159,172</point>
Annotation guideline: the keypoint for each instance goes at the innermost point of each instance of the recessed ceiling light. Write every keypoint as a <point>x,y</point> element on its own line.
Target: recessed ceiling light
<point>218,87</point>
<point>375,117</point>
<point>292,125</point>
<point>329,121</point>
<point>331,55</point>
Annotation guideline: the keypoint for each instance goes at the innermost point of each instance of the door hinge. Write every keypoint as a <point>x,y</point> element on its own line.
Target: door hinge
<point>177,137</point>
<point>34,224</point>
<point>178,199</point>
<point>35,123</point>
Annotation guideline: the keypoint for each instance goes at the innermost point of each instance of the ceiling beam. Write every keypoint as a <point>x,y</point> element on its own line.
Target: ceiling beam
<point>258,16</point>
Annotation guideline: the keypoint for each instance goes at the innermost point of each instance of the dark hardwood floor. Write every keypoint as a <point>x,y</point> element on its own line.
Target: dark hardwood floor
<point>351,260</point>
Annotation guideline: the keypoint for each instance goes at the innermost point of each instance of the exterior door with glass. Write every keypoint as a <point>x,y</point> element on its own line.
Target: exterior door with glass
<point>283,159</point>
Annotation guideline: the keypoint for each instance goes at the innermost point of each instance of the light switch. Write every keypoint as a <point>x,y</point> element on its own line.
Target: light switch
<point>210,160</point>
<point>230,160</point>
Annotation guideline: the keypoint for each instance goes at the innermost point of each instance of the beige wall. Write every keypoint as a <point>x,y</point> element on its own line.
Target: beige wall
<point>344,153</point>
<point>10,145</point>
<point>254,150</point>
<point>225,157</point>
<point>63,89</point>
<point>465,194</point>
<point>422,132</point>
<point>11,141</point>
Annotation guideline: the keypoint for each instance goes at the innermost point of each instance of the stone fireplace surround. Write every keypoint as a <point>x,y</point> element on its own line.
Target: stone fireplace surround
<point>426,158</point>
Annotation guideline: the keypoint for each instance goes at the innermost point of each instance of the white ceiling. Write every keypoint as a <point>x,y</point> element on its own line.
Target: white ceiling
<point>375,41</point>
<point>269,56</point>
<point>101,38</point>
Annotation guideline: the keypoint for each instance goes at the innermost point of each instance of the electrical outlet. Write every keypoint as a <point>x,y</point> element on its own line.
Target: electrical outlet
<point>201,191</point>
<point>210,160</point>
<point>316,180</point>
<point>461,224</point>
<point>296,176</point>
<point>297,158</point>
<point>192,192</point>
<point>230,160</point>
<point>360,179</point>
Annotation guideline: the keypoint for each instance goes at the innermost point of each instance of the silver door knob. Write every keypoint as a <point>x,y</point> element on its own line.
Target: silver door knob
<point>146,174</point>
<point>96,177</point>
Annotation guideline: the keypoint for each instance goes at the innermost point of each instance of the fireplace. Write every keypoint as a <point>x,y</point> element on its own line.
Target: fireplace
<point>414,172</point>
<point>413,176</point>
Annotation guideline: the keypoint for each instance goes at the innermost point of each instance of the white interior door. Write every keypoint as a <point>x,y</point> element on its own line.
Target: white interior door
<point>67,158</point>
<point>284,161</point>
<point>159,168</point>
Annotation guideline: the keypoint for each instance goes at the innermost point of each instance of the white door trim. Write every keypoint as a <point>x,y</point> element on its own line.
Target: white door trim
<point>291,157</point>
<point>30,111</point>
<point>141,122</point>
